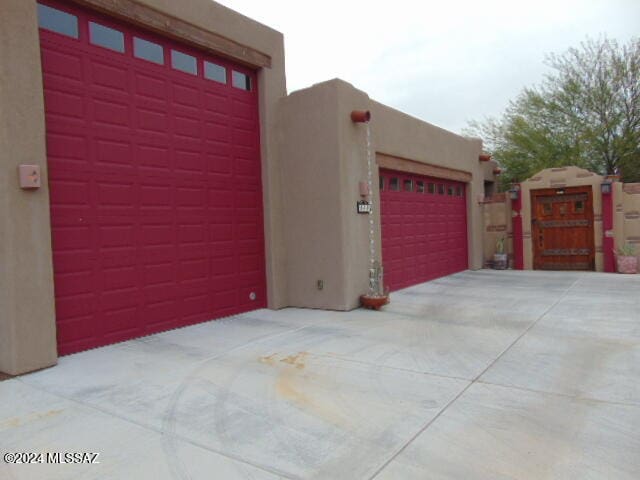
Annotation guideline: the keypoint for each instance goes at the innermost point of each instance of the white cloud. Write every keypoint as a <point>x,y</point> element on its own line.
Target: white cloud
<point>444,62</point>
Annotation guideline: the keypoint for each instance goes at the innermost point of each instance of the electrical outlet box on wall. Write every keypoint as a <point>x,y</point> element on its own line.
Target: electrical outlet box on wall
<point>29,176</point>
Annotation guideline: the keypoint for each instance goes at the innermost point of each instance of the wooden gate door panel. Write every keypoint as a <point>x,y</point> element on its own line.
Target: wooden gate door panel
<point>562,229</point>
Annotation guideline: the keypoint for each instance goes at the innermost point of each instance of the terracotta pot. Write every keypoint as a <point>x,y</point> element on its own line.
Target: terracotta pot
<point>373,303</point>
<point>500,261</point>
<point>627,264</point>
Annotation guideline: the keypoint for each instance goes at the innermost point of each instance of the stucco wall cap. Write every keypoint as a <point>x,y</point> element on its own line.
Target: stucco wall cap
<point>568,173</point>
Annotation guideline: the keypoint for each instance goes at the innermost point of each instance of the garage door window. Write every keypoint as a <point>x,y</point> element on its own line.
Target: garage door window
<point>431,188</point>
<point>57,21</point>
<point>241,81</point>
<point>394,184</point>
<point>381,183</point>
<point>440,189</point>
<point>106,37</point>
<point>184,63</point>
<point>408,185</point>
<point>215,72</point>
<point>149,51</point>
<point>420,186</point>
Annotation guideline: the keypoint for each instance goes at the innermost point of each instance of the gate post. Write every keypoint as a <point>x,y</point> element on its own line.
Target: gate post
<point>516,225</point>
<point>607,225</point>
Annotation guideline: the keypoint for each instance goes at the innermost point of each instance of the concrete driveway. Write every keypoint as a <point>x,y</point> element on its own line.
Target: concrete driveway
<point>480,375</point>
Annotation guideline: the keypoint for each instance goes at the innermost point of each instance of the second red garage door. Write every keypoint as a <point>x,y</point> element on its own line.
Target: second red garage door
<point>154,172</point>
<point>424,228</point>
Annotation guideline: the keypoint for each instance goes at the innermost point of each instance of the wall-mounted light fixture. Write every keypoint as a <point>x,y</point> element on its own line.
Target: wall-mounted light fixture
<point>606,187</point>
<point>514,192</point>
<point>364,189</point>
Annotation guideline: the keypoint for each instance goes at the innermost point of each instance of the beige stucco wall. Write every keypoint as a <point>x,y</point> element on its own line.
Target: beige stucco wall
<point>27,319</point>
<point>27,314</point>
<point>626,219</point>
<point>497,224</point>
<point>559,178</point>
<point>487,170</point>
<point>324,158</point>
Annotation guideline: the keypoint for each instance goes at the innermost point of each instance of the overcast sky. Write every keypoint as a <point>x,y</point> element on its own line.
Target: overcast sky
<point>445,62</point>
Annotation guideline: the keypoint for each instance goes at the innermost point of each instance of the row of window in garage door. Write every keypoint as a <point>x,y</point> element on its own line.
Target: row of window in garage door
<point>110,37</point>
<point>393,184</point>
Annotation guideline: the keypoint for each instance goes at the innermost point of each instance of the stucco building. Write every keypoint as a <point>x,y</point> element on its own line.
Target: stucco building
<point>155,173</point>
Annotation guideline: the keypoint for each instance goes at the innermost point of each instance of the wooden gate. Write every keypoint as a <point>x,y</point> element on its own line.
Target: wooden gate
<point>562,229</point>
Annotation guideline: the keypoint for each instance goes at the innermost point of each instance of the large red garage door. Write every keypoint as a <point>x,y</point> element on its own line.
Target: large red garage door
<point>424,228</point>
<point>154,171</point>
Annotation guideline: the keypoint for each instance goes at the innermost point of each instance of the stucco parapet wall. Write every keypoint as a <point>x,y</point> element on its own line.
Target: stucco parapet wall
<point>562,177</point>
<point>488,170</point>
<point>402,135</point>
<point>631,188</point>
<point>209,16</point>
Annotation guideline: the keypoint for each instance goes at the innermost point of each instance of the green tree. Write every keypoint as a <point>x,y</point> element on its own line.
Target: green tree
<point>586,112</point>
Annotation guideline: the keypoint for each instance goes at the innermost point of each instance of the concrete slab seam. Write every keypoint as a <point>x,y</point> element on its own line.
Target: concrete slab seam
<point>430,422</point>
<point>562,395</point>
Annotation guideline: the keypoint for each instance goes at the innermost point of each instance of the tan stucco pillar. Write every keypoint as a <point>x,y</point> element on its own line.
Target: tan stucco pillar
<point>27,311</point>
<point>272,87</point>
<point>475,193</point>
<point>322,154</point>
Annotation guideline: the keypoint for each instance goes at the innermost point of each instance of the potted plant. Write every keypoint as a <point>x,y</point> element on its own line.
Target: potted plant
<point>377,296</point>
<point>626,259</point>
<point>500,259</point>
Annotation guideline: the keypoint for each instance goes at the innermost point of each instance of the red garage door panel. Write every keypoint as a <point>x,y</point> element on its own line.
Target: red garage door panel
<point>424,228</point>
<point>154,172</point>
